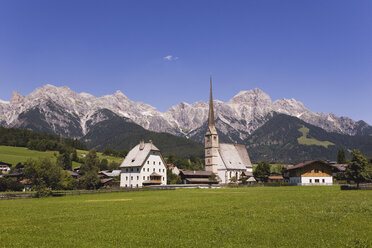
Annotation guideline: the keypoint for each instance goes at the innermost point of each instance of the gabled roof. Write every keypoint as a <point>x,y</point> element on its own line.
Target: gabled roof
<point>307,163</point>
<point>196,173</point>
<point>251,179</point>
<point>3,163</point>
<point>138,155</point>
<point>235,156</point>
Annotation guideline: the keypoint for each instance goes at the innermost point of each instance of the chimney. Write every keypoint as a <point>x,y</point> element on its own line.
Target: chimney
<point>142,145</point>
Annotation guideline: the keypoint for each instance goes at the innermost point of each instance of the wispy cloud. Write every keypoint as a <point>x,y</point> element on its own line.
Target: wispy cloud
<point>170,58</point>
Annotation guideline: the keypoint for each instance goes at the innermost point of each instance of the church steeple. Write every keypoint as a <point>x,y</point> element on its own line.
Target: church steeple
<point>211,112</point>
<point>211,144</point>
<point>211,125</point>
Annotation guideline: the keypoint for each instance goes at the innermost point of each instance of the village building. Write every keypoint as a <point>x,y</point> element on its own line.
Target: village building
<point>224,160</point>
<point>315,172</point>
<point>197,177</point>
<point>144,165</point>
<point>5,167</point>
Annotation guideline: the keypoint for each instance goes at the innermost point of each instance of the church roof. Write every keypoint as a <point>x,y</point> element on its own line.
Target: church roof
<point>235,156</point>
<point>138,155</point>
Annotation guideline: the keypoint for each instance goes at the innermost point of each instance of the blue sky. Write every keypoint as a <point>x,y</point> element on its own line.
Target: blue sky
<point>318,52</point>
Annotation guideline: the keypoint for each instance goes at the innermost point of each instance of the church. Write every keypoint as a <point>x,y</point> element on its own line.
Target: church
<point>223,159</point>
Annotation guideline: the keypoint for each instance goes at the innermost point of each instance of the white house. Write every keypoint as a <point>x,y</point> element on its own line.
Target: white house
<point>223,159</point>
<point>315,172</point>
<point>4,167</point>
<point>144,165</point>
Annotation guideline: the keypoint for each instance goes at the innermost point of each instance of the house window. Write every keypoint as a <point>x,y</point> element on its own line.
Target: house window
<point>137,177</point>
<point>148,162</point>
<point>154,162</point>
<point>148,178</point>
<point>163,170</point>
<point>148,169</point>
<point>309,180</point>
<point>126,185</point>
<point>163,178</point>
<point>159,170</point>
<point>153,170</point>
<point>323,180</point>
<point>126,178</point>
<point>316,180</point>
<point>136,185</point>
<point>144,177</point>
<point>132,160</point>
<point>159,163</point>
<point>214,137</point>
<point>143,169</point>
<point>131,178</point>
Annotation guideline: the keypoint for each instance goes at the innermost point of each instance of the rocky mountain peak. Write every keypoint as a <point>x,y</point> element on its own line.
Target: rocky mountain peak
<point>251,96</point>
<point>17,98</point>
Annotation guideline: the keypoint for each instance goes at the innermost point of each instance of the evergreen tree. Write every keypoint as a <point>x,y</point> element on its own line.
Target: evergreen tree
<point>341,156</point>
<point>64,161</point>
<point>103,165</point>
<point>359,169</point>
<point>262,171</point>
<point>89,171</point>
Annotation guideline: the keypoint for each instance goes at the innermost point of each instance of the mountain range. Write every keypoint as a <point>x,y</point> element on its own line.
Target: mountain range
<point>59,110</point>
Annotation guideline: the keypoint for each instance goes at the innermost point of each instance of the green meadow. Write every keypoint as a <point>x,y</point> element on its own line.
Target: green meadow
<point>14,155</point>
<point>304,140</point>
<point>227,217</point>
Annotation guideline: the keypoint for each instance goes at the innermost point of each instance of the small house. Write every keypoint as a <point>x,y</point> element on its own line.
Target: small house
<point>315,172</point>
<point>5,167</point>
<point>197,177</point>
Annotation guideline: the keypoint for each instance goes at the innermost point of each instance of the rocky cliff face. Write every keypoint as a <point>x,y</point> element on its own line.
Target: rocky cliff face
<point>62,111</point>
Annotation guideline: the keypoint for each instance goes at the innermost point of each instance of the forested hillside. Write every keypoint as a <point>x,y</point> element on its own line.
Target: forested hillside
<point>290,140</point>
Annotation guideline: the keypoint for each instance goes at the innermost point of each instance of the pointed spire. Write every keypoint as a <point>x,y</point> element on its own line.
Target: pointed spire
<point>211,112</point>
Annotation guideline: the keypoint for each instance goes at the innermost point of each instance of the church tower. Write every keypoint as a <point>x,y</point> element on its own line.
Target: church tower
<point>211,139</point>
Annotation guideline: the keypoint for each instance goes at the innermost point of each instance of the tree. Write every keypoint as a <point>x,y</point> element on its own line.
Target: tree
<point>67,181</point>
<point>359,169</point>
<point>173,178</point>
<point>114,166</point>
<point>262,171</point>
<point>341,156</point>
<point>64,161</point>
<point>89,171</point>
<point>233,179</point>
<point>103,165</point>
<point>43,174</point>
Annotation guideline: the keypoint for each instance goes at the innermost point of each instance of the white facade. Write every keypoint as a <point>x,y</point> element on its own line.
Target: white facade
<point>311,180</point>
<point>143,166</point>
<point>4,168</point>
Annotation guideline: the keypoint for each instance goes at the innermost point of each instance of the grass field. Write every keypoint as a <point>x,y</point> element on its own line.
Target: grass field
<point>242,217</point>
<point>14,155</point>
<point>304,140</point>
